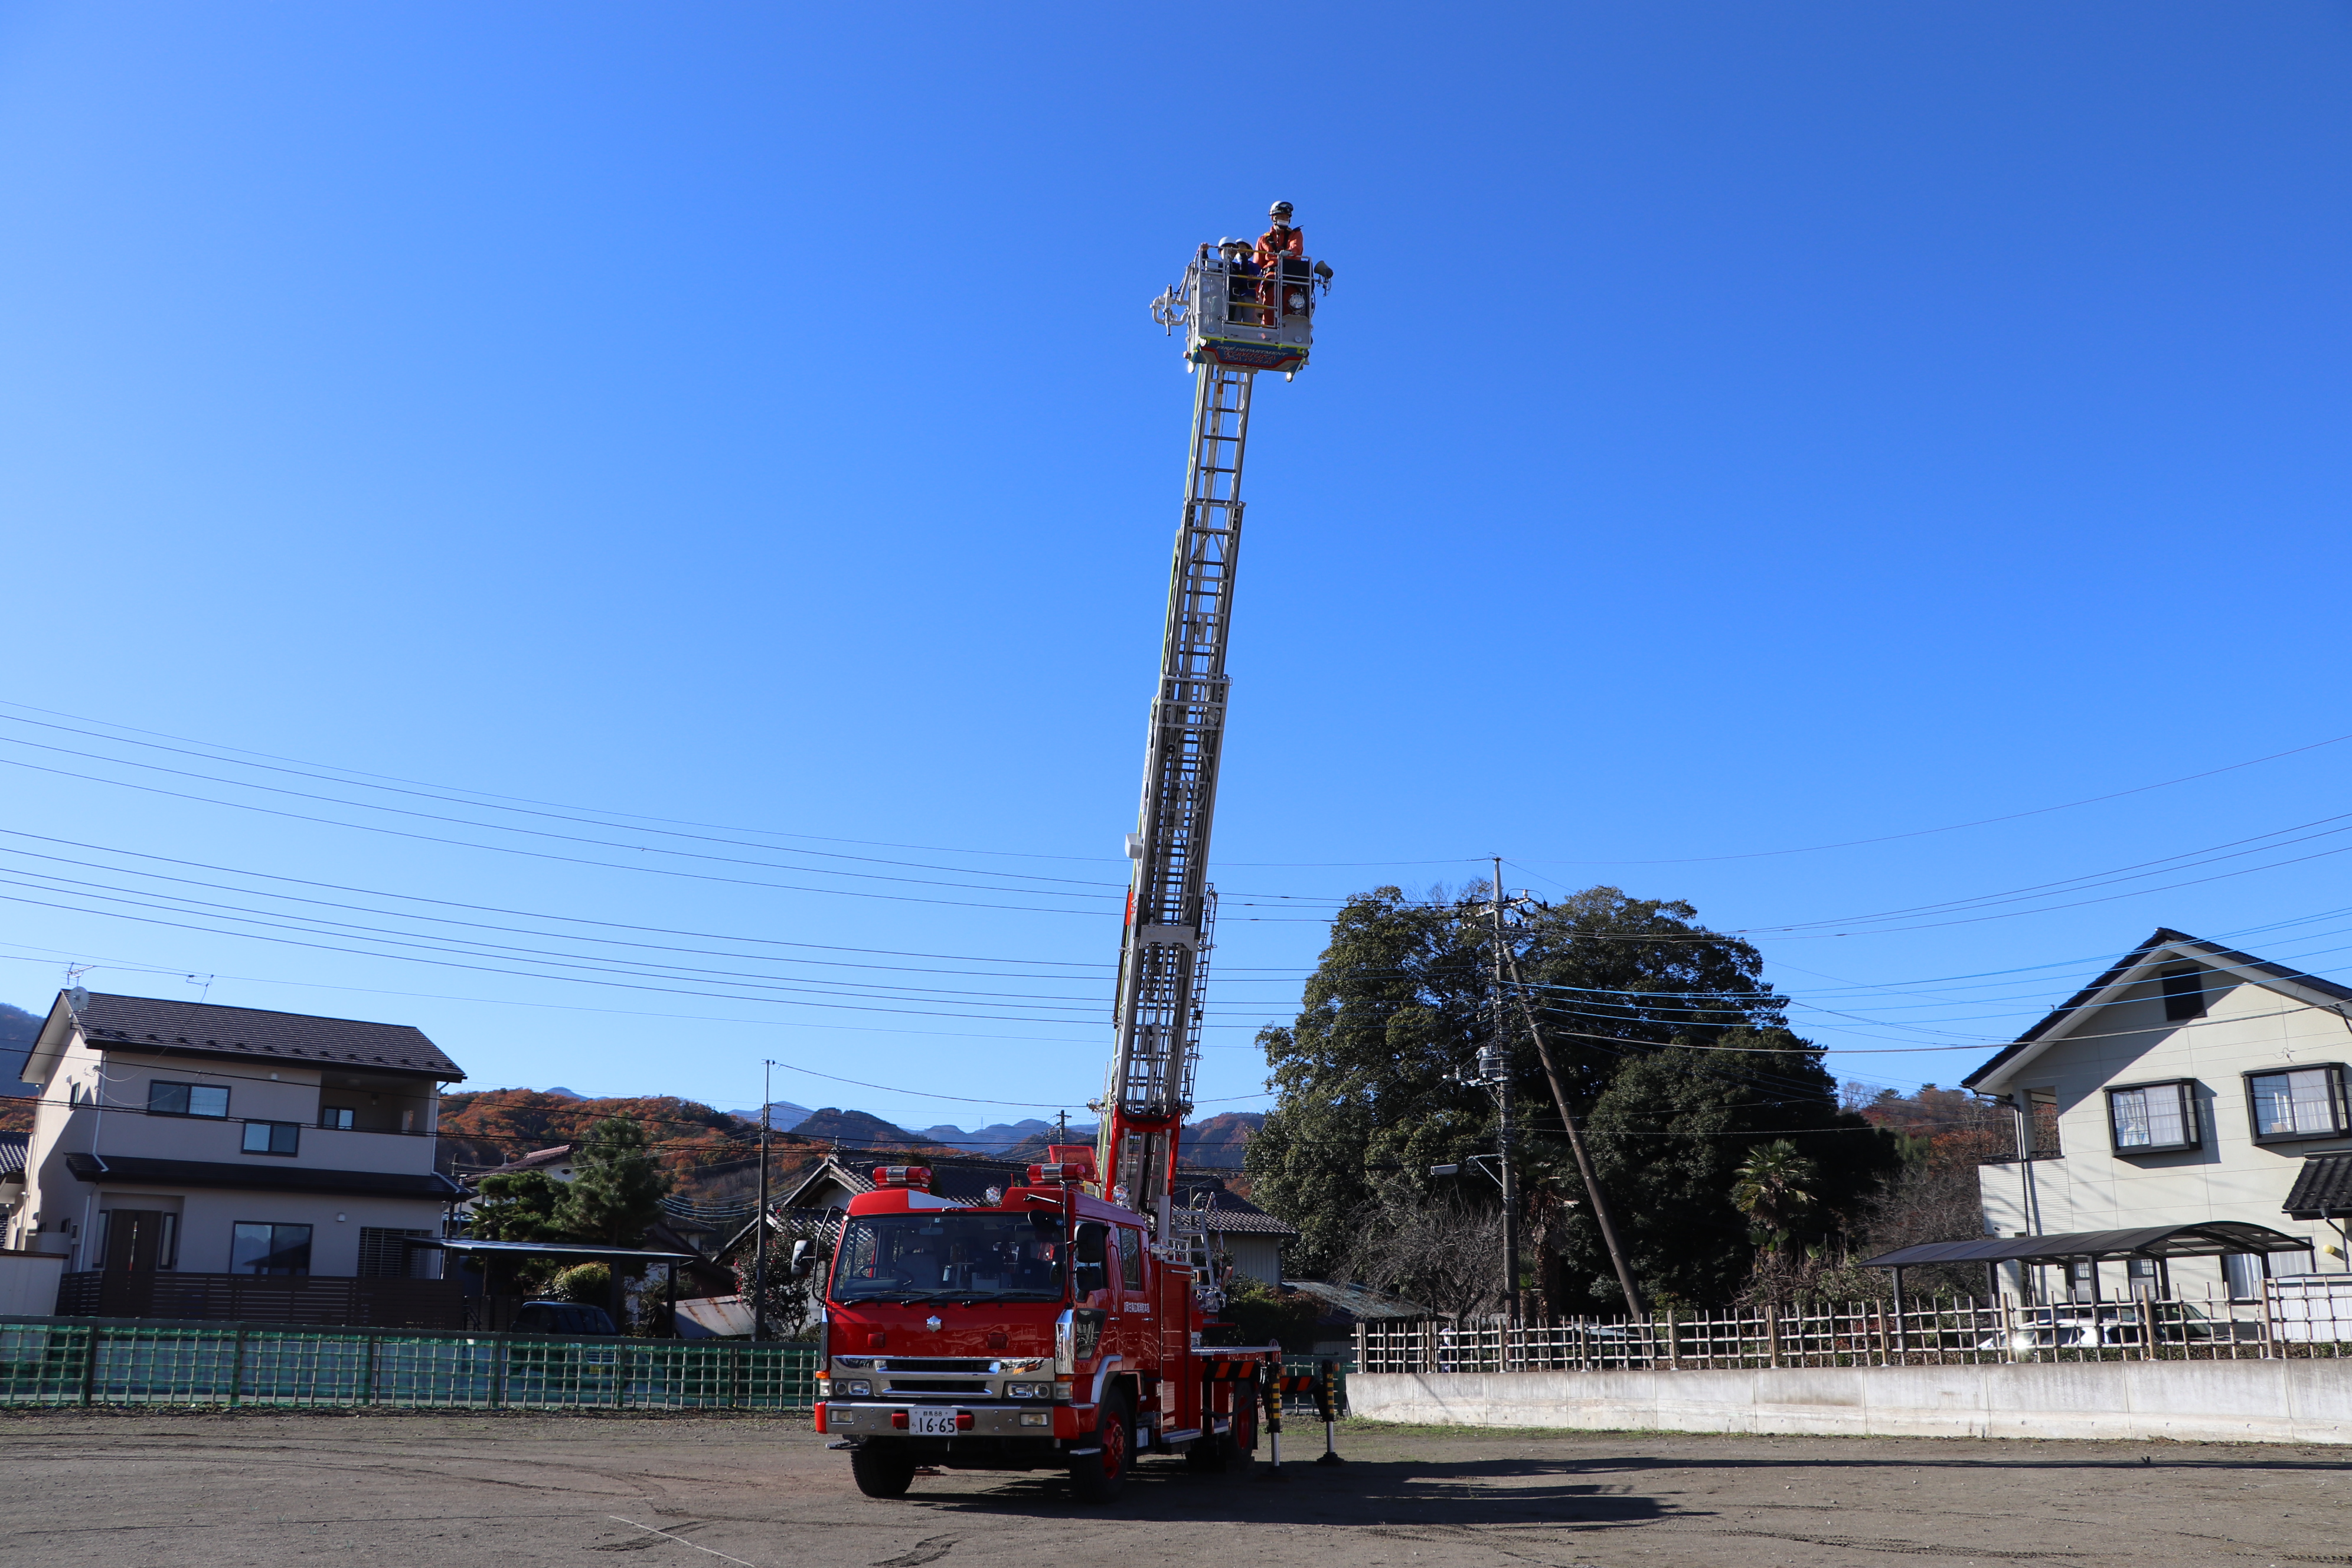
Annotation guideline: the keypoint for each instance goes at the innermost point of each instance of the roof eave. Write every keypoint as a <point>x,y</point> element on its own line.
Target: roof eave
<point>2131,970</point>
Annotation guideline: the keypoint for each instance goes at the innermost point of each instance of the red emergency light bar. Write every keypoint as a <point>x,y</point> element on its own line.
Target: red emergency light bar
<point>919,1177</point>
<point>1071,1164</point>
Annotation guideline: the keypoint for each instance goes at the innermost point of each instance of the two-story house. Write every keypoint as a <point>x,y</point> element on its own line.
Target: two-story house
<point>182,1138</point>
<point>2189,1083</point>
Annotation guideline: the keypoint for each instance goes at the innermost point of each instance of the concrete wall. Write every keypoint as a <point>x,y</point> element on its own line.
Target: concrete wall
<point>2228,1402</point>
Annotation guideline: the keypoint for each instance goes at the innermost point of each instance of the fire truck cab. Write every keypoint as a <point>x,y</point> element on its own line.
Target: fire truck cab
<point>1043,1331</point>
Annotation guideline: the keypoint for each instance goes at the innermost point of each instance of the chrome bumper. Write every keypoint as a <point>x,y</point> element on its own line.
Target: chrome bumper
<point>871,1419</point>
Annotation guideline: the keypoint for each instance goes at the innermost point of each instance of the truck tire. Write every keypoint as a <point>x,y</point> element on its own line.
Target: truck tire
<point>1099,1477</point>
<point>1241,1442</point>
<point>1215,1451</point>
<point>882,1472</point>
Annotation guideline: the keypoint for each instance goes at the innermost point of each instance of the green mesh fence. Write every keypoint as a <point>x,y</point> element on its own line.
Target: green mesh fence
<point>86,1361</point>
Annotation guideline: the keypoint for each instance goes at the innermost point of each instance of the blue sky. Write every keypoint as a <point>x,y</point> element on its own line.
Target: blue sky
<point>1735,431</point>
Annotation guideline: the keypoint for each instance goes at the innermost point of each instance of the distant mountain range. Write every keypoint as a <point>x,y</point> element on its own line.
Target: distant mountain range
<point>1216,1142</point>
<point>783,1116</point>
<point>18,1030</point>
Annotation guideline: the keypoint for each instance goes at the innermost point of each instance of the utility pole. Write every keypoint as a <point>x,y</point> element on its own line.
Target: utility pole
<point>760,1219</point>
<point>1592,1193</point>
<point>1499,1075</point>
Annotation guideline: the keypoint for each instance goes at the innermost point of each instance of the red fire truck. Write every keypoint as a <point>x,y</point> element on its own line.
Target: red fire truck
<point>1042,1331</point>
<point>1069,1321</point>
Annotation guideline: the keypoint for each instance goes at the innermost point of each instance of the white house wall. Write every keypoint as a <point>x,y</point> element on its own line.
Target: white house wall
<point>66,1209</point>
<point>2090,1187</point>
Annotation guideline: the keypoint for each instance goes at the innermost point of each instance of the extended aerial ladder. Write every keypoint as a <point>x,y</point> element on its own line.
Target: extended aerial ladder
<point>1238,318</point>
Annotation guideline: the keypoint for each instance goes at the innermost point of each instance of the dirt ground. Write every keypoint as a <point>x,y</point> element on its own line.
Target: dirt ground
<point>192,1489</point>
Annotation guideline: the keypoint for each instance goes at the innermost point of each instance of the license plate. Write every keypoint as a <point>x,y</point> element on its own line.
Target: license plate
<point>925,1423</point>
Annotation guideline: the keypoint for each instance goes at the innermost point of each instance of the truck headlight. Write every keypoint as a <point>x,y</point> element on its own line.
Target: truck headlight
<point>1062,1389</point>
<point>824,1388</point>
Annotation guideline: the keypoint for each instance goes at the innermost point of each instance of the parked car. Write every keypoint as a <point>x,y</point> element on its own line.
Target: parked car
<point>563,1318</point>
<point>2083,1326</point>
<point>2067,1327</point>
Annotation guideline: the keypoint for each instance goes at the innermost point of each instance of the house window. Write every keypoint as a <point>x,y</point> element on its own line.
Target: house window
<point>2244,1272</point>
<point>273,1137</point>
<point>2184,993</point>
<point>187,1099</point>
<point>270,1249</point>
<point>2296,1102</point>
<point>2150,1118</point>
<point>2042,1121</point>
<point>338,1117</point>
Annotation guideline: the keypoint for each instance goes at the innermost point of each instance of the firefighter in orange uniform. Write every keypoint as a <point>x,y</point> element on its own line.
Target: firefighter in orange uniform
<point>1280,239</point>
<point>1280,242</point>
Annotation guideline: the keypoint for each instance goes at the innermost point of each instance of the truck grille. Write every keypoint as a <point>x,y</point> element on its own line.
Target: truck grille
<point>919,1363</point>
<point>935,1385</point>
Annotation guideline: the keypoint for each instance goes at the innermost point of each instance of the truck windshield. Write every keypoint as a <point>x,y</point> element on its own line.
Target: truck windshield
<point>950,1255</point>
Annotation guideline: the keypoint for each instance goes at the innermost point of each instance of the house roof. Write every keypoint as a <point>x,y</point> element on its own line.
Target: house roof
<point>2162,947</point>
<point>958,1181</point>
<point>2210,1239</point>
<point>1229,1213</point>
<point>2322,1190</point>
<point>261,1178</point>
<point>1357,1301</point>
<point>13,1146</point>
<point>148,1022</point>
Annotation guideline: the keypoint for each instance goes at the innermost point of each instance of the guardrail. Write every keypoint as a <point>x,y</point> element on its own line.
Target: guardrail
<point>2293,1321</point>
<point>98,1360</point>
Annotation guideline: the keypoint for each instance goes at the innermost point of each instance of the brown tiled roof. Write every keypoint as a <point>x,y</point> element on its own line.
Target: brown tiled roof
<point>148,1022</point>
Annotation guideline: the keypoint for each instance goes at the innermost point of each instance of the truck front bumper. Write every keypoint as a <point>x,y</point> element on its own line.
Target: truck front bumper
<point>869,1418</point>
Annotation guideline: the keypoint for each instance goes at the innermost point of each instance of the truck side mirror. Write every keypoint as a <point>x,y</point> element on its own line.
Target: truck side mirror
<point>804,1259</point>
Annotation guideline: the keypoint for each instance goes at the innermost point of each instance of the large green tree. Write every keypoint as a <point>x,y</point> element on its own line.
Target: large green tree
<point>518,1206</point>
<point>1672,1052</point>
<point>616,1187</point>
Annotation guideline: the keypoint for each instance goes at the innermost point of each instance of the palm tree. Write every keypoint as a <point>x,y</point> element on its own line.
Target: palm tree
<point>1770,1190</point>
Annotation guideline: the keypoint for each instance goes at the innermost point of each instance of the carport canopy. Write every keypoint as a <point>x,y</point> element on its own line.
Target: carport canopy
<point>576,1251</point>
<point>2212,1240</point>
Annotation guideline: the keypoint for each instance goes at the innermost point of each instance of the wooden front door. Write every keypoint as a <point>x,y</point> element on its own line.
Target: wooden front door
<point>136,1239</point>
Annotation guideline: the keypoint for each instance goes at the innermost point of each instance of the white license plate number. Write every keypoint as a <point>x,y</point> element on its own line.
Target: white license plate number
<point>925,1423</point>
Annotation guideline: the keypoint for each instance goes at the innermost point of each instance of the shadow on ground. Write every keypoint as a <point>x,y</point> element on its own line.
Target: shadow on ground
<point>1375,1493</point>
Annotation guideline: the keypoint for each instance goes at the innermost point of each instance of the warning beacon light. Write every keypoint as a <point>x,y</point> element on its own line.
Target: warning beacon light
<point>918,1177</point>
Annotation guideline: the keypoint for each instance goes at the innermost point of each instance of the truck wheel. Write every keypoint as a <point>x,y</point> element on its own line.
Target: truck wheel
<point>1100,1476</point>
<point>881,1472</point>
<point>1241,1441</point>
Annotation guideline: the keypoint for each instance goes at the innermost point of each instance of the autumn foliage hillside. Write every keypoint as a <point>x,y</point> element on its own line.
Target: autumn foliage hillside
<point>493,1126</point>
